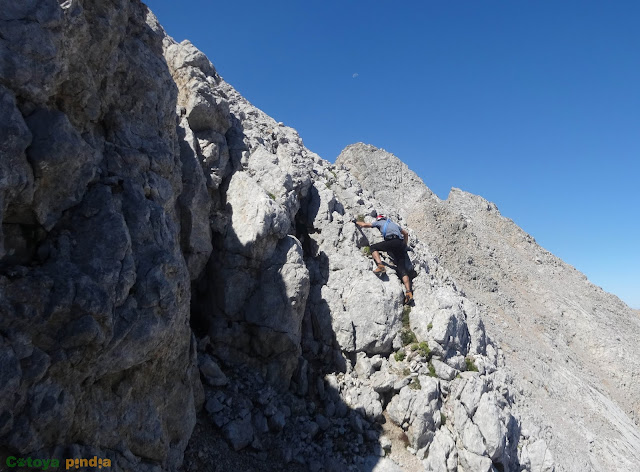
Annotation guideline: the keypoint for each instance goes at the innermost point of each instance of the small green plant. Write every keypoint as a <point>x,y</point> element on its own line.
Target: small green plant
<point>429,326</point>
<point>414,346</point>
<point>406,372</point>
<point>432,370</point>
<point>400,355</point>
<point>443,419</point>
<point>360,218</point>
<point>407,337</point>
<point>471,366</point>
<point>271,196</point>
<point>415,384</point>
<point>405,316</point>
<point>366,250</point>
<point>423,348</point>
<point>328,185</point>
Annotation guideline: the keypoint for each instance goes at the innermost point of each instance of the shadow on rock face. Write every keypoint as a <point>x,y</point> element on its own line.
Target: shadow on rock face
<point>95,345</point>
<point>261,318</point>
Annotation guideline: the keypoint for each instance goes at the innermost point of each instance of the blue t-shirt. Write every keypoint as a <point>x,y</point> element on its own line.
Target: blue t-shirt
<point>392,228</point>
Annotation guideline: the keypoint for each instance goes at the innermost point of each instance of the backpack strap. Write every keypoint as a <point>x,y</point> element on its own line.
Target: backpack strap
<point>384,229</point>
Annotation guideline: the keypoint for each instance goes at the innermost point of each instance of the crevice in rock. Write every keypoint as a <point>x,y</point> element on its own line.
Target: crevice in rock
<point>21,242</point>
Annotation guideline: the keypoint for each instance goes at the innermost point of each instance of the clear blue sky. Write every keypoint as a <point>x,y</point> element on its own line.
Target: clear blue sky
<point>535,105</point>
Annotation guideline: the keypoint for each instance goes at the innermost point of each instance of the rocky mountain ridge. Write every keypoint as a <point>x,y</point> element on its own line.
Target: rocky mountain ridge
<point>288,240</point>
<point>173,255</point>
<point>563,337</point>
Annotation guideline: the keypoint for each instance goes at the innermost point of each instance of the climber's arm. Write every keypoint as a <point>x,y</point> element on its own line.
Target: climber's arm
<point>362,224</point>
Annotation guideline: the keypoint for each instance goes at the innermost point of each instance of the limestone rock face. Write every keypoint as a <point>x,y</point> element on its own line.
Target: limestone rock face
<point>442,454</point>
<point>94,288</point>
<point>140,190</point>
<point>288,290</point>
<point>562,338</point>
<point>251,297</point>
<point>157,227</point>
<point>420,409</point>
<point>16,176</point>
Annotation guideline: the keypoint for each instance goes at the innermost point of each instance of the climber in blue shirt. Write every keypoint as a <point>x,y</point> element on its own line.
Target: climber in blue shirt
<point>395,243</point>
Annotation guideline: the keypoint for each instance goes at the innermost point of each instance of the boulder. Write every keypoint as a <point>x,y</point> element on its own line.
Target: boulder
<point>473,462</point>
<point>212,372</point>
<point>239,432</point>
<point>420,409</point>
<point>443,455</point>
<point>537,456</point>
<point>487,418</point>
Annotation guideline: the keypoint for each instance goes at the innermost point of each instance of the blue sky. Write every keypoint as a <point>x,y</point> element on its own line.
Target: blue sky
<point>535,105</point>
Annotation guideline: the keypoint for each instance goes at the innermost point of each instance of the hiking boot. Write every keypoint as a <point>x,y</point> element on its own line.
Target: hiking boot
<point>381,269</point>
<point>408,298</point>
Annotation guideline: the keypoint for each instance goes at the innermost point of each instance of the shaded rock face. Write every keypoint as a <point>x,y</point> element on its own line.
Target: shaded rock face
<point>250,297</point>
<point>94,288</point>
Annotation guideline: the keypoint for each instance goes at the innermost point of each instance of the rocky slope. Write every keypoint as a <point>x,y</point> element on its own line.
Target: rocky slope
<point>569,345</point>
<point>289,292</point>
<point>171,254</point>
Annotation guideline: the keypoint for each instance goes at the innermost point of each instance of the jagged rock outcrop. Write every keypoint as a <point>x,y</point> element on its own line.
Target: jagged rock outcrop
<point>252,296</point>
<point>567,344</point>
<point>96,350</point>
<point>289,291</point>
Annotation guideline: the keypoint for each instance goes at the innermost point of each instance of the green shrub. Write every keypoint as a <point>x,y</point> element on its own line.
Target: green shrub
<point>366,250</point>
<point>400,355</point>
<point>407,337</point>
<point>360,218</point>
<point>432,370</point>
<point>429,326</point>
<point>415,384</point>
<point>272,196</point>
<point>406,372</point>
<point>423,348</point>
<point>443,419</point>
<point>471,366</point>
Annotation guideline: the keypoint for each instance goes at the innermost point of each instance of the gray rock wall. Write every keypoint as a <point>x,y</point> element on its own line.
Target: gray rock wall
<point>250,298</point>
<point>137,175</point>
<point>94,288</point>
<point>157,227</point>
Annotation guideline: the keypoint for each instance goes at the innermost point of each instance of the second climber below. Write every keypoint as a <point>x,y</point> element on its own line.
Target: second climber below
<point>395,243</point>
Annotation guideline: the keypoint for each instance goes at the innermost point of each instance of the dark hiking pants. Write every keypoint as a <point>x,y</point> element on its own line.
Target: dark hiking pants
<point>397,249</point>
